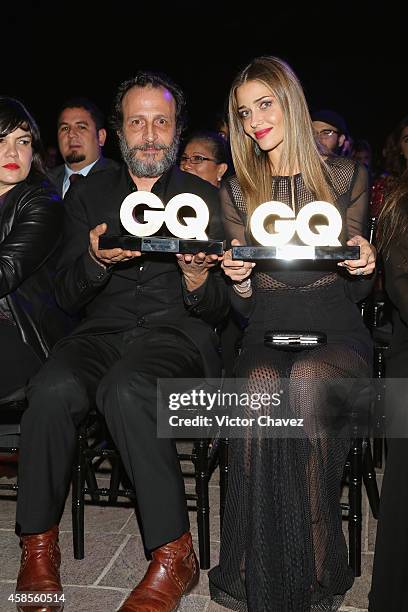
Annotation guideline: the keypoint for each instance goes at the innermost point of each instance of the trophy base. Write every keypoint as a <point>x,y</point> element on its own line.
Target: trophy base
<point>295,253</point>
<point>159,244</point>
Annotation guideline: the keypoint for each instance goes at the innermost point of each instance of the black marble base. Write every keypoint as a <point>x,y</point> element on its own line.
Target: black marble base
<point>159,244</point>
<point>295,253</point>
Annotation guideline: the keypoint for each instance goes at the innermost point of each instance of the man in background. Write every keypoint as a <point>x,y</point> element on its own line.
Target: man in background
<point>81,136</point>
<point>331,131</point>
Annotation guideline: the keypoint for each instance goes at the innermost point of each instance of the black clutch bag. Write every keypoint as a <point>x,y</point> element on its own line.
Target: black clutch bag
<point>294,340</point>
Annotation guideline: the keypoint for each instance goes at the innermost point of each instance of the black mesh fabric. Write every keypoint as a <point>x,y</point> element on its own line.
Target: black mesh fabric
<point>282,545</point>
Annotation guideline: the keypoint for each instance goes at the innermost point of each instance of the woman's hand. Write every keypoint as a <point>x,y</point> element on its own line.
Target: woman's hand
<point>236,270</point>
<point>366,264</point>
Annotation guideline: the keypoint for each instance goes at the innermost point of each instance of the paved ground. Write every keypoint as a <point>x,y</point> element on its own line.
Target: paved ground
<point>114,559</point>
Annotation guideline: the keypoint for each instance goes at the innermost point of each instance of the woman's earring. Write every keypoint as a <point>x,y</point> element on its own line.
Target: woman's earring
<point>257,149</point>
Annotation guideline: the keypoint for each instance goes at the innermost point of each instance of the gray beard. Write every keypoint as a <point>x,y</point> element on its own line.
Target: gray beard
<point>75,158</point>
<point>149,169</point>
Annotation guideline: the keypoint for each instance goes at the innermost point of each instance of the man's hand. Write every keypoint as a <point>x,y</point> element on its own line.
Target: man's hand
<point>236,270</point>
<point>366,264</point>
<point>195,268</point>
<point>107,257</point>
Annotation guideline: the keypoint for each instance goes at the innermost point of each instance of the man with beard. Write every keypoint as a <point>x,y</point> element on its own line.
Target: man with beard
<point>144,318</point>
<point>81,136</point>
<point>331,132</point>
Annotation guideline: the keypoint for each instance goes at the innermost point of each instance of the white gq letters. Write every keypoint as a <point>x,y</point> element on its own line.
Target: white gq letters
<point>287,224</point>
<point>194,227</point>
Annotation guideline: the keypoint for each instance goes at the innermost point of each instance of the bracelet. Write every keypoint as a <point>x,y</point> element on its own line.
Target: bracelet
<point>244,287</point>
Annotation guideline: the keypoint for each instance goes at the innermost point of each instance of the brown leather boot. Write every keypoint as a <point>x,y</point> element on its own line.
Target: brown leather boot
<point>172,573</point>
<point>39,572</point>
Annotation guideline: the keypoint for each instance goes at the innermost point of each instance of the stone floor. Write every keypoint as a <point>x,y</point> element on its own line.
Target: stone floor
<point>114,559</point>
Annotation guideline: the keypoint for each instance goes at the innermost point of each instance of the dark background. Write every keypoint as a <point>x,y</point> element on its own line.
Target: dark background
<point>349,61</point>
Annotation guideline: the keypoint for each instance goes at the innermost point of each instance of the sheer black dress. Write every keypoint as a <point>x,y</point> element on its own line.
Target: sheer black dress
<point>282,545</point>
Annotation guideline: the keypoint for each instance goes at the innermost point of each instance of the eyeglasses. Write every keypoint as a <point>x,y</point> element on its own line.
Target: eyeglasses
<point>326,133</point>
<point>196,159</point>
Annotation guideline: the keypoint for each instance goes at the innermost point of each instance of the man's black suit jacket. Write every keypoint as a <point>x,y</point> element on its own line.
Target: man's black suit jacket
<point>56,175</point>
<point>148,291</point>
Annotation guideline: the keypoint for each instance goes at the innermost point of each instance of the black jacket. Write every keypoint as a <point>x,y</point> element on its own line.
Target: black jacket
<point>30,229</point>
<point>148,291</point>
<point>56,175</point>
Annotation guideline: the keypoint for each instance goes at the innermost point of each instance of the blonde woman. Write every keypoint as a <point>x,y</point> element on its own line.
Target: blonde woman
<point>282,547</point>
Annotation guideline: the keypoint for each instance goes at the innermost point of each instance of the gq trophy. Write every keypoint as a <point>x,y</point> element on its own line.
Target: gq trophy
<point>319,244</point>
<point>187,237</point>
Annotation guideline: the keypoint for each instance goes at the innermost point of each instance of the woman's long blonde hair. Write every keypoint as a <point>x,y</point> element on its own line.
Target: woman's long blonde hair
<point>300,151</point>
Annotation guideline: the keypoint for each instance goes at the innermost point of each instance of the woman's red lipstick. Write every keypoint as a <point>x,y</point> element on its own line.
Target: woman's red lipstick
<point>12,166</point>
<point>262,133</point>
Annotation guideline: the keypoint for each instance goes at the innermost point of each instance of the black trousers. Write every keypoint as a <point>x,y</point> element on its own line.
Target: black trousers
<point>119,370</point>
<point>18,361</point>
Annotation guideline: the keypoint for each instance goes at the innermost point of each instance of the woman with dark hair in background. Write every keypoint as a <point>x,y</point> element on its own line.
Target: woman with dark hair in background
<point>206,155</point>
<point>389,590</point>
<point>396,150</point>
<point>30,226</point>
<point>282,545</point>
